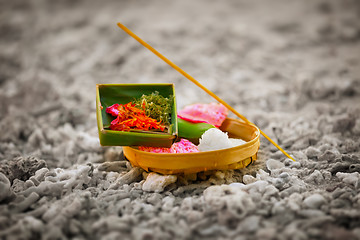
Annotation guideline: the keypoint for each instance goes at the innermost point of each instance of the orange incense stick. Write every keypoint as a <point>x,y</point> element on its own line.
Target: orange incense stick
<point>199,85</point>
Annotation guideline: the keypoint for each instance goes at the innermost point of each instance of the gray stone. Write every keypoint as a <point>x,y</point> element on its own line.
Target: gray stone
<point>272,164</point>
<point>312,152</point>
<point>340,167</point>
<point>344,124</point>
<point>350,178</point>
<point>354,168</point>
<point>280,72</point>
<point>340,203</point>
<point>21,167</point>
<point>329,156</point>
<point>5,190</point>
<point>250,224</point>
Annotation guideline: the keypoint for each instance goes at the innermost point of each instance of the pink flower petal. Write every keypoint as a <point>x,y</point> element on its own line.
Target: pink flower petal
<point>184,146</point>
<point>213,113</point>
<point>113,109</point>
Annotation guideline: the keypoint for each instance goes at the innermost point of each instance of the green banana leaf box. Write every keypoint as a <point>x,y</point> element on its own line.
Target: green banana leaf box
<point>109,94</point>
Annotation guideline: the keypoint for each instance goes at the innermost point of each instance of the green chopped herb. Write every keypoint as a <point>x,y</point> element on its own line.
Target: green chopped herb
<point>156,106</point>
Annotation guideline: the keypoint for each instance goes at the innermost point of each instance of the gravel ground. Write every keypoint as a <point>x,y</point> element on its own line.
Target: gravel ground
<point>291,67</point>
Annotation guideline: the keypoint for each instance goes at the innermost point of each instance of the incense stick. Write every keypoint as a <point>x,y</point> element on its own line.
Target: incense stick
<point>199,85</point>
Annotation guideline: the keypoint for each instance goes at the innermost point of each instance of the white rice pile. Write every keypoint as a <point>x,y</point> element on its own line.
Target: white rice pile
<point>215,139</point>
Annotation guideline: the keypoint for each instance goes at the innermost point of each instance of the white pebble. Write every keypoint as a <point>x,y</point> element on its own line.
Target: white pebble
<point>257,187</point>
<point>272,164</point>
<point>315,178</point>
<point>311,213</point>
<point>157,183</point>
<point>220,175</point>
<point>32,224</point>
<point>270,190</point>
<point>279,182</point>
<point>350,178</point>
<point>312,152</point>
<point>314,201</point>
<point>295,165</point>
<point>247,179</point>
<point>250,225</point>
<point>285,176</point>
<point>236,184</point>
<point>262,175</point>
<point>235,198</point>
<point>168,203</point>
<point>40,174</point>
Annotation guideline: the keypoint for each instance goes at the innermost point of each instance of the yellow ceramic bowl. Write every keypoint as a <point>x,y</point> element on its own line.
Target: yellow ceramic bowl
<point>231,158</point>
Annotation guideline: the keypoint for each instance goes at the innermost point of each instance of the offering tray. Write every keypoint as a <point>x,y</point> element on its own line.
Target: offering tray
<point>230,158</point>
